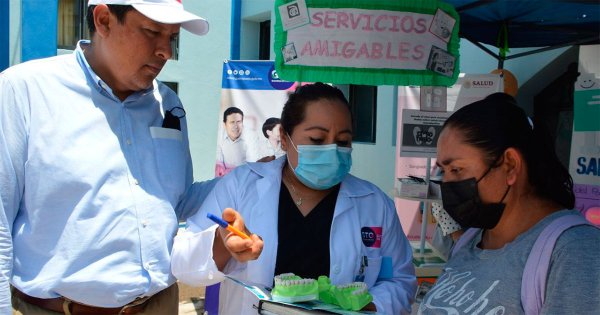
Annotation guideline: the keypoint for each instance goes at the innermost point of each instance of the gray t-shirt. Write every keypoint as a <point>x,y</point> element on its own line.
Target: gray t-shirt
<point>477,281</point>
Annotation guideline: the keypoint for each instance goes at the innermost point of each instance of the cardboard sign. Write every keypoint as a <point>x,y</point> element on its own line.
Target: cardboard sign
<point>369,42</point>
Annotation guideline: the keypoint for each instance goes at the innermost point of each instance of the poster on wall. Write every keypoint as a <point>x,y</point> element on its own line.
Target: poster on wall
<point>252,97</point>
<point>375,42</point>
<point>585,147</point>
<point>420,132</point>
<point>469,88</point>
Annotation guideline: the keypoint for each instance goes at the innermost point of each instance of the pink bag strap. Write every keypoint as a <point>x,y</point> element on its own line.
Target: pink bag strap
<point>533,283</point>
<point>535,273</point>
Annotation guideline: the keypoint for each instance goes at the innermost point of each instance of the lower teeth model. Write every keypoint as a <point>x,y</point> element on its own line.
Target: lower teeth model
<point>353,296</point>
<point>290,288</point>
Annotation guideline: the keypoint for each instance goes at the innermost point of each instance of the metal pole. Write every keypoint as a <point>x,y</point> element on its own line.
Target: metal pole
<point>426,204</point>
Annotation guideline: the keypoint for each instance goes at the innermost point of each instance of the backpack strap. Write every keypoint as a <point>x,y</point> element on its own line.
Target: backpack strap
<point>533,283</point>
<point>464,239</point>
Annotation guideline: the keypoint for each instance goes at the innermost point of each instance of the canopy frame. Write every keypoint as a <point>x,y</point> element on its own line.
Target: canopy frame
<point>593,38</point>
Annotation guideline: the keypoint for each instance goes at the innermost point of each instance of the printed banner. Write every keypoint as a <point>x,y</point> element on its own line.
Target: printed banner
<point>368,42</point>
<point>252,98</point>
<point>585,147</point>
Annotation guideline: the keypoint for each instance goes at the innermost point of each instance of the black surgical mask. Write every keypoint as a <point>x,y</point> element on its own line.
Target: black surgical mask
<point>462,202</point>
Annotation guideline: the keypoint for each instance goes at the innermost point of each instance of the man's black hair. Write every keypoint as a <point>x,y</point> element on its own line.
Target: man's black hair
<point>232,110</point>
<point>118,10</point>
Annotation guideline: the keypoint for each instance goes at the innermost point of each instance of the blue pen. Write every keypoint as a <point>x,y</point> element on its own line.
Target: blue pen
<point>227,226</point>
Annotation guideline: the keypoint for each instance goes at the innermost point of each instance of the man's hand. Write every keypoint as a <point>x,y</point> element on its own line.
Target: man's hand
<point>239,248</point>
<point>220,169</point>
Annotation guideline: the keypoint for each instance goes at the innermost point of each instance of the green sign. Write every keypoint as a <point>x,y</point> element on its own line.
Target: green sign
<point>368,42</point>
<point>586,103</point>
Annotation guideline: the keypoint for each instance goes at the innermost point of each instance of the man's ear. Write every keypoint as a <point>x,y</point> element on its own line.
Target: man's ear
<point>102,20</point>
<point>514,165</point>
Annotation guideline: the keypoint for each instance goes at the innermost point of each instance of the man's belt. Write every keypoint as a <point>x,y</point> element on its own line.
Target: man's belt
<point>66,306</point>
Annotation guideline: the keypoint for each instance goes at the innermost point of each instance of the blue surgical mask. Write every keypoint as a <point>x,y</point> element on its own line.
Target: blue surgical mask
<point>321,167</point>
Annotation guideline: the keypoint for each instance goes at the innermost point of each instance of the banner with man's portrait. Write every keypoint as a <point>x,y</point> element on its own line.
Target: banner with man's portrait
<point>252,97</point>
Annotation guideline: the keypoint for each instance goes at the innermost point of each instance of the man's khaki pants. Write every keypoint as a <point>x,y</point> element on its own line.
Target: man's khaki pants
<point>165,302</point>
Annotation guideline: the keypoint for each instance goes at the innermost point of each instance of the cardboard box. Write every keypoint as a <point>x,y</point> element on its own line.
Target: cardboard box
<point>410,187</point>
<point>430,263</point>
<point>435,190</point>
<point>415,187</point>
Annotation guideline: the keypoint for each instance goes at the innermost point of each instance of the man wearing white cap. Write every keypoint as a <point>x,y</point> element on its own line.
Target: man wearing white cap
<point>95,170</point>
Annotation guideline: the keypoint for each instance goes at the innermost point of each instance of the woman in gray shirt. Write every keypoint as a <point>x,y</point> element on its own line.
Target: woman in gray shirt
<point>502,177</point>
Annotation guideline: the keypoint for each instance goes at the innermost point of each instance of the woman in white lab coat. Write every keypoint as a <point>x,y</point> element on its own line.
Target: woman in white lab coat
<point>314,218</point>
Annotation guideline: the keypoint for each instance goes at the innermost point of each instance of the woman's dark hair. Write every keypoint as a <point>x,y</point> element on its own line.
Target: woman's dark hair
<point>118,10</point>
<point>295,108</point>
<point>497,123</point>
<point>269,124</point>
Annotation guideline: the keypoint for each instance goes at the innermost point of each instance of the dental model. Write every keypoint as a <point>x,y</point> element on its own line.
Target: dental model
<point>326,290</point>
<point>353,296</point>
<point>290,288</point>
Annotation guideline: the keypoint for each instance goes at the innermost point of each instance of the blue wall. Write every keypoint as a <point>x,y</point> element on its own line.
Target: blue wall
<point>41,19</point>
<point>4,37</point>
<point>236,22</point>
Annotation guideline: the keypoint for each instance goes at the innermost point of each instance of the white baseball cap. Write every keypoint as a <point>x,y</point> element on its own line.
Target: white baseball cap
<point>164,11</point>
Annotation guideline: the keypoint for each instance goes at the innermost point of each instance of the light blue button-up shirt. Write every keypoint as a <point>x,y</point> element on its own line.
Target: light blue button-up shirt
<point>92,187</point>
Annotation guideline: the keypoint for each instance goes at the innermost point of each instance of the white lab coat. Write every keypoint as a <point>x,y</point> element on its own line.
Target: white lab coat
<point>253,190</point>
